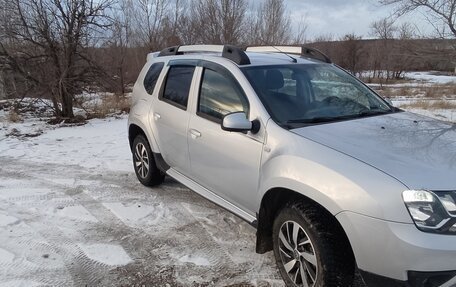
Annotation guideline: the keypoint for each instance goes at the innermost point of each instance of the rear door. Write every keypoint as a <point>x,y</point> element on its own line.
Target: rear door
<point>227,163</point>
<point>169,114</point>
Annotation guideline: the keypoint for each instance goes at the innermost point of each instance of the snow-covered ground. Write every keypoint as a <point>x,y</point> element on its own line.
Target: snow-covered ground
<point>428,77</point>
<point>414,106</point>
<point>431,77</point>
<point>432,94</point>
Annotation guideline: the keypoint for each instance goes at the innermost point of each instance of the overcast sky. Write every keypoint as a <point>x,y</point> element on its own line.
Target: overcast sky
<point>340,17</point>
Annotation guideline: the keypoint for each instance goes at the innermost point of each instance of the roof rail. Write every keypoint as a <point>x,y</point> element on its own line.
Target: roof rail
<point>230,52</point>
<point>305,52</point>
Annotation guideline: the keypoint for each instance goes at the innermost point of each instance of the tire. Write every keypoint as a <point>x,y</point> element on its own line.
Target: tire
<point>323,254</point>
<point>144,163</point>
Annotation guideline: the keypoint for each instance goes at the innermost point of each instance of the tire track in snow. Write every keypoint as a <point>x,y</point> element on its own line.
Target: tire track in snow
<point>34,258</point>
<point>157,250</point>
<point>83,270</point>
<point>247,271</point>
<point>66,247</point>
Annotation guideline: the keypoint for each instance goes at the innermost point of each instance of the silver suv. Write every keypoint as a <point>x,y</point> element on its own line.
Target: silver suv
<point>335,179</point>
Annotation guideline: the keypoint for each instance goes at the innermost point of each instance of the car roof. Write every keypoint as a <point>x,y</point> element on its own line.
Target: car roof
<point>262,59</point>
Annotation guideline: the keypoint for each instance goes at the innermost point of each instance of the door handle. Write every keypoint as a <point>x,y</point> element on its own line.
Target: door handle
<point>195,134</point>
<point>157,116</point>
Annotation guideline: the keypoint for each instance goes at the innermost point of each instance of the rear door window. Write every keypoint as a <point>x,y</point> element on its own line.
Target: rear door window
<point>177,86</point>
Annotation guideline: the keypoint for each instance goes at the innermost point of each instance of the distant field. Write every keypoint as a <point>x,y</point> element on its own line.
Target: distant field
<point>429,93</point>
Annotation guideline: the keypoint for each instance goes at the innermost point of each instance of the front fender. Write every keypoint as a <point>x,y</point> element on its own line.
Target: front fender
<point>335,180</point>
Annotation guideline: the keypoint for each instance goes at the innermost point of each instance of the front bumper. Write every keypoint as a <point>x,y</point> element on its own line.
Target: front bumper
<point>400,252</point>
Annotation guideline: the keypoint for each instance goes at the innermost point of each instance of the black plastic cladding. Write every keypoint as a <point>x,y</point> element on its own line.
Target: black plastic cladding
<point>315,54</point>
<point>235,54</point>
<point>170,51</point>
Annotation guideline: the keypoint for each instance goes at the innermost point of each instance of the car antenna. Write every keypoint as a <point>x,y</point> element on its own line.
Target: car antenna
<point>282,52</point>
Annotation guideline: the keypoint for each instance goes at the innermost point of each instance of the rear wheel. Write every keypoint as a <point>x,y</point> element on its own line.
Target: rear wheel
<point>144,163</point>
<point>310,250</point>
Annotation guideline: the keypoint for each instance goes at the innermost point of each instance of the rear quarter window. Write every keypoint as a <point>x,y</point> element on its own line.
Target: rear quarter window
<point>150,80</point>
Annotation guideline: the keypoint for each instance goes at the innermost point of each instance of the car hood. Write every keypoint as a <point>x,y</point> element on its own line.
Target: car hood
<point>418,151</point>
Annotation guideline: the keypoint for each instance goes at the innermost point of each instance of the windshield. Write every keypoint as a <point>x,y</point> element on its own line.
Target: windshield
<point>297,95</point>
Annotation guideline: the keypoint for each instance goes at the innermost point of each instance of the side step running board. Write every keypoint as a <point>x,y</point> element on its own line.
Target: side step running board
<point>210,195</point>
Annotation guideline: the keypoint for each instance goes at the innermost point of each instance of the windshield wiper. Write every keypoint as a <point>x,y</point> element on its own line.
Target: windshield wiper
<point>368,113</point>
<point>317,120</point>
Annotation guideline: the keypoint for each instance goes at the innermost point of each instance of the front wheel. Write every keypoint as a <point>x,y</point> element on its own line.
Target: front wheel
<point>144,163</point>
<point>309,248</point>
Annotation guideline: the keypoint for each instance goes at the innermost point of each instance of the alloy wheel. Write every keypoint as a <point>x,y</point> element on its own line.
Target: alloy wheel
<point>141,160</point>
<point>297,254</point>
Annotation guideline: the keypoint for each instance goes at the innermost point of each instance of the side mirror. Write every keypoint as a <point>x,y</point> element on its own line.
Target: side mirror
<point>236,122</point>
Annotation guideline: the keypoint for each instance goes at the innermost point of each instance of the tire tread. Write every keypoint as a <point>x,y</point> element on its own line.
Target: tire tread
<point>338,266</point>
<point>155,177</point>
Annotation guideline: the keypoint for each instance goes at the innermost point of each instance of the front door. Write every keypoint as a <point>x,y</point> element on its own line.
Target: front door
<point>226,163</point>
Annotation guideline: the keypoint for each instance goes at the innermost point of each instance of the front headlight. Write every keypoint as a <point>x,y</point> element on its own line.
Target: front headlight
<point>432,211</point>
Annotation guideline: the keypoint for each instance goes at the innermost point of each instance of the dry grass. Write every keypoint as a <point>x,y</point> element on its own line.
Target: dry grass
<point>407,92</point>
<point>110,105</point>
<point>439,91</point>
<point>399,92</point>
<point>14,116</point>
<point>431,105</point>
<point>429,92</point>
<point>382,81</point>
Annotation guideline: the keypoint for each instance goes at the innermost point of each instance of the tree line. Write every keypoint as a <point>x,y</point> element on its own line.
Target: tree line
<point>57,49</point>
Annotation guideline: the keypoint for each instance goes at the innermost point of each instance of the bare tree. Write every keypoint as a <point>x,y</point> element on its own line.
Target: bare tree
<point>233,20</point>
<point>2,86</point>
<point>351,49</point>
<point>149,16</point>
<point>218,21</point>
<point>47,46</point>
<point>299,35</point>
<point>188,29</point>
<point>271,25</point>
<point>383,29</point>
<point>404,50</point>
<point>439,12</point>
<point>328,37</point>
<point>3,25</point>
<point>394,52</point>
<point>171,24</point>
<point>406,31</point>
<point>120,42</point>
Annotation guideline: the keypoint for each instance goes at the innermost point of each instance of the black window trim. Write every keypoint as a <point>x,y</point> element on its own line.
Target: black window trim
<point>225,72</point>
<point>176,63</point>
